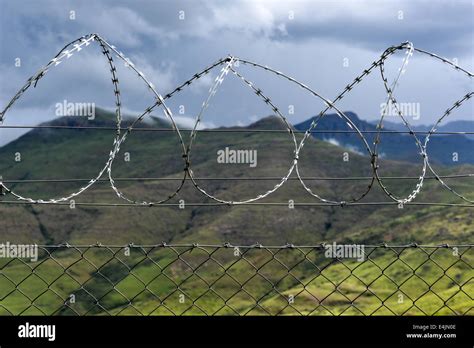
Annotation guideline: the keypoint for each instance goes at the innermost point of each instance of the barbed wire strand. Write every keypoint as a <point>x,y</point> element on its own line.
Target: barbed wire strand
<point>321,178</point>
<point>231,130</point>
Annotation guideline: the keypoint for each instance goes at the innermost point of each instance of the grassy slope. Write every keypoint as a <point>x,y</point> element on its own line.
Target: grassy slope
<point>155,154</point>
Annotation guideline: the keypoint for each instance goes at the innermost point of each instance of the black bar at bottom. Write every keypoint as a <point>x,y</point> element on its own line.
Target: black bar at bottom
<point>244,331</point>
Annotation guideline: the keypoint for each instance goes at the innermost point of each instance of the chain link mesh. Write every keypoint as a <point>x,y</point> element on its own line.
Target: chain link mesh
<point>192,279</point>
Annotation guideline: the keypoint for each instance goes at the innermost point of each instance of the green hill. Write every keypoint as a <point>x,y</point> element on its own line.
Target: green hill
<point>81,154</point>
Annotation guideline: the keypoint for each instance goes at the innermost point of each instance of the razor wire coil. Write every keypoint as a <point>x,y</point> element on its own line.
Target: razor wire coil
<point>228,66</point>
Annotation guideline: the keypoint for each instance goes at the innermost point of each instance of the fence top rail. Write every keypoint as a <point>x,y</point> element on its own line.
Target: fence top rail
<point>248,246</point>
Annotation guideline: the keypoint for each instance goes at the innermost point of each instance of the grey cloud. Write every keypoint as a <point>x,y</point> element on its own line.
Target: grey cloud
<point>310,47</point>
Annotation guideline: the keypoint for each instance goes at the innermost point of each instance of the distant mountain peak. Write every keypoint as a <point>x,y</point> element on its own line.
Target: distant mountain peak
<point>394,146</point>
<point>106,118</point>
<point>351,115</point>
<point>268,122</point>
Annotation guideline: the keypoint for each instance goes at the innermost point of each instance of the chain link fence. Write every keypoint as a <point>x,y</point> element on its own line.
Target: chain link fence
<point>192,279</point>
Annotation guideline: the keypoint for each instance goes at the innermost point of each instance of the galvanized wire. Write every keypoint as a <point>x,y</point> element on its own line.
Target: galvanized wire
<point>231,130</point>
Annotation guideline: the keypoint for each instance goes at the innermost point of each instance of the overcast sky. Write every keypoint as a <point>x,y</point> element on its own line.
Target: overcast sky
<point>309,40</point>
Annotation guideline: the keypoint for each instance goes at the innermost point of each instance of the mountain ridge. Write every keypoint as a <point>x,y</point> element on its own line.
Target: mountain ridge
<point>441,148</point>
<point>63,154</point>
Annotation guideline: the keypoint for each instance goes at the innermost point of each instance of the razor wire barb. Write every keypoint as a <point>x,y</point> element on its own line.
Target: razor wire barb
<point>227,279</point>
<point>229,64</point>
